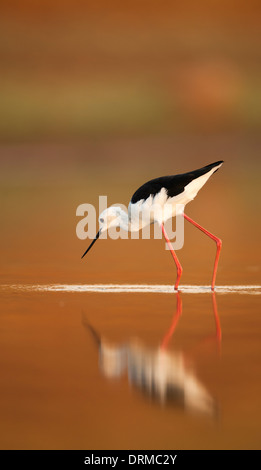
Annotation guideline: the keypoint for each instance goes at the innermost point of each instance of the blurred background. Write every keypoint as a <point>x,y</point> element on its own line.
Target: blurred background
<point>98,97</point>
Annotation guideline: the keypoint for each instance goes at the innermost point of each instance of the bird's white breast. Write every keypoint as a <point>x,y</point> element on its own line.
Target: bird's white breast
<point>147,211</point>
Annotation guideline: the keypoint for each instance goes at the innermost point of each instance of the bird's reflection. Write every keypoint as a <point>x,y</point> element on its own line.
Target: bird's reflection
<point>166,376</point>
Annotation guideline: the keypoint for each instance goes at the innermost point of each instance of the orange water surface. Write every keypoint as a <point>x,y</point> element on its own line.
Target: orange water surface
<point>129,370</point>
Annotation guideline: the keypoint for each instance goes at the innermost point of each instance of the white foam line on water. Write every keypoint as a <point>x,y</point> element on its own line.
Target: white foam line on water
<point>134,288</point>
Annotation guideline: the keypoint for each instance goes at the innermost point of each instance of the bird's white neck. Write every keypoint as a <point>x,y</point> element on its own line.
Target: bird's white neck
<point>124,221</point>
<point>133,223</point>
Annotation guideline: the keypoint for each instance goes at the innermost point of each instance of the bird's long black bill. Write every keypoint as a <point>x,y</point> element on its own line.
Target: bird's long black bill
<point>92,243</point>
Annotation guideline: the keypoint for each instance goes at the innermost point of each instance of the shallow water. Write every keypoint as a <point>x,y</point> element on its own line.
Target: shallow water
<point>129,369</point>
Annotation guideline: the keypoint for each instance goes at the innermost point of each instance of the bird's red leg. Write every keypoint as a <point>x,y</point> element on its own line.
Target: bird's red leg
<point>179,267</point>
<point>219,245</point>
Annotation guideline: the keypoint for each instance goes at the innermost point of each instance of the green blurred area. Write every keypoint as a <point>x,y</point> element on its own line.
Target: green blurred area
<point>98,97</point>
<point>81,71</point>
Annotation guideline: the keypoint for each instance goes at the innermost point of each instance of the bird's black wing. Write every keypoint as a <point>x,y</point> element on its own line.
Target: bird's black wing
<point>174,185</point>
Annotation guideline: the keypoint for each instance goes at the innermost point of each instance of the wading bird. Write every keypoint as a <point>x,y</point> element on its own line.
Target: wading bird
<point>170,192</point>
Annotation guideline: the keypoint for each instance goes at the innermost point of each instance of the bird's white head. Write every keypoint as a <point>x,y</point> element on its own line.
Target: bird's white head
<point>113,216</point>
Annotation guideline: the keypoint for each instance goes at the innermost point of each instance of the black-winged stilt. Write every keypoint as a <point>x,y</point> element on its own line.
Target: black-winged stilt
<point>171,192</point>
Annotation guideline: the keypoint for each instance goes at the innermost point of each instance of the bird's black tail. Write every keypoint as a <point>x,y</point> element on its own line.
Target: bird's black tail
<point>206,169</point>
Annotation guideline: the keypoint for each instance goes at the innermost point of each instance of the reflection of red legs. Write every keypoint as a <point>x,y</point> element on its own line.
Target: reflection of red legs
<point>213,338</point>
<point>218,242</point>
<point>179,267</point>
<point>216,337</point>
<point>217,321</point>
<point>168,335</point>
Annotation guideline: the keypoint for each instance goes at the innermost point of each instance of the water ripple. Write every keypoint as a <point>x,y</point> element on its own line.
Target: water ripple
<point>128,288</point>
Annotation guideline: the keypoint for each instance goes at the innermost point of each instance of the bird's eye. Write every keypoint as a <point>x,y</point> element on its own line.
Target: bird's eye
<point>102,220</point>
